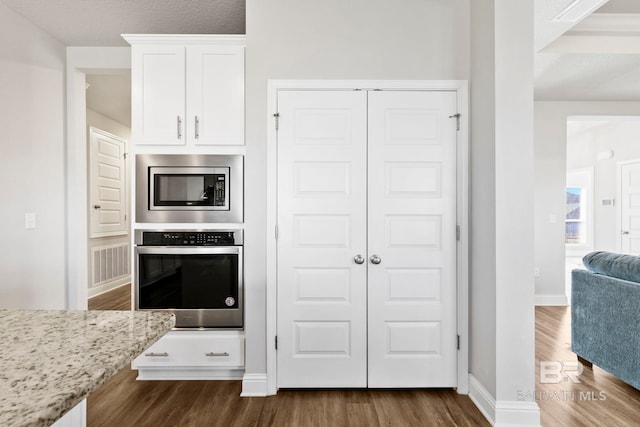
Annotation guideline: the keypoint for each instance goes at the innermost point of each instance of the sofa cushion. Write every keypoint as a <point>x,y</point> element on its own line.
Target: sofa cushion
<point>626,267</point>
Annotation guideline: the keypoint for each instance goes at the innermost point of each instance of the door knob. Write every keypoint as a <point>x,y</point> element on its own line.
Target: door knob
<point>624,232</point>
<point>96,206</point>
<point>358,259</point>
<point>375,259</point>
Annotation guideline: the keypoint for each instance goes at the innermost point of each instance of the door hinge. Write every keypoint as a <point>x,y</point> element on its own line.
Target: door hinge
<point>276,232</point>
<point>458,341</point>
<point>277,117</point>
<point>457,233</point>
<point>276,342</point>
<point>124,155</point>
<point>457,116</point>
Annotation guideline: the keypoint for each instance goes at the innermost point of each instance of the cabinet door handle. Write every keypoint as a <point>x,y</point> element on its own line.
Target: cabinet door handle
<point>212,354</point>
<point>152,354</point>
<point>179,128</point>
<point>197,125</point>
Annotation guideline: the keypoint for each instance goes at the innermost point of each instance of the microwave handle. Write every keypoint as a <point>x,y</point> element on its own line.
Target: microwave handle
<point>188,250</point>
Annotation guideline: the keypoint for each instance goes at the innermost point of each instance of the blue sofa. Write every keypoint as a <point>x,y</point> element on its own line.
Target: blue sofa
<point>605,314</point>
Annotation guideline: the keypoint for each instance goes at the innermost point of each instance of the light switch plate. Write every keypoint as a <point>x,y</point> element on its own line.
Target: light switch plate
<point>30,220</point>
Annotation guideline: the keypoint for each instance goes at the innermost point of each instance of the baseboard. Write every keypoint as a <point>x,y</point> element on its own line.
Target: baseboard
<point>99,290</point>
<point>254,385</point>
<point>503,413</point>
<point>552,299</point>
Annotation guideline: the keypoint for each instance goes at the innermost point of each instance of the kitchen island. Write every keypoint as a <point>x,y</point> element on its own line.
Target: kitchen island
<point>51,360</point>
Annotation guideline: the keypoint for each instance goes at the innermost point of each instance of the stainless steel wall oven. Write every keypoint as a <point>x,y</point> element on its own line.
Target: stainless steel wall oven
<point>177,188</point>
<point>195,274</point>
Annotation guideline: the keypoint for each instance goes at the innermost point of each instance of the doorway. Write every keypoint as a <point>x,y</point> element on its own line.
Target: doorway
<point>339,116</point>
<point>83,62</point>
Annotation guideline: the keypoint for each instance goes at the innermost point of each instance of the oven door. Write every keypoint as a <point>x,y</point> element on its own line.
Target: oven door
<point>201,285</point>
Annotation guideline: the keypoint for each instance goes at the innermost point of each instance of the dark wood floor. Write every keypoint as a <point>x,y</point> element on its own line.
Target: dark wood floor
<point>598,400</point>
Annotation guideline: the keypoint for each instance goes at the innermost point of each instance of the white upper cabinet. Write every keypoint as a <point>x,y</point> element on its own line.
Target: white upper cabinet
<point>187,90</point>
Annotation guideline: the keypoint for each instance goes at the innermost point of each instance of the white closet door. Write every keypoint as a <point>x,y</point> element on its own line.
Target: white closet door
<point>630,208</point>
<point>412,229</point>
<point>322,320</point>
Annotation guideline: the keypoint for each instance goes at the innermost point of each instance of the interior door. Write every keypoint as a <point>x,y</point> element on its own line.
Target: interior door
<point>107,184</point>
<point>366,239</point>
<point>630,208</point>
<point>322,202</point>
<point>412,231</point>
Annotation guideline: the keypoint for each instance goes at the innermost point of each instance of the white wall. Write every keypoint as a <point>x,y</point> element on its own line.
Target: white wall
<point>550,173</point>
<point>32,262</point>
<point>622,137</point>
<point>358,39</point>
<point>502,361</point>
<point>107,124</point>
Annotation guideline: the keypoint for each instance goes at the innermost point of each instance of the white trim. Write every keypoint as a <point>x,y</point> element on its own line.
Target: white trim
<point>461,87</point>
<point>79,60</point>
<point>609,24</point>
<point>517,413</point>
<point>503,413</point>
<point>184,39</point>
<point>552,299</point>
<point>483,400</point>
<point>255,385</point>
<point>103,289</point>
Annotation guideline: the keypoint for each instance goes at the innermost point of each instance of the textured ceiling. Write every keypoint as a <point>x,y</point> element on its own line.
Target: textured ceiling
<point>558,76</point>
<point>100,22</point>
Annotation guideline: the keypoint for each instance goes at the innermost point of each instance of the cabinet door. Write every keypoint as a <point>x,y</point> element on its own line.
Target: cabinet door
<point>215,95</point>
<point>322,307</point>
<point>158,95</point>
<point>412,223</point>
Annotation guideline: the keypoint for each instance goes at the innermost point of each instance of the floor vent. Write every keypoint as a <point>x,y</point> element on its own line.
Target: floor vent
<point>110,263</point>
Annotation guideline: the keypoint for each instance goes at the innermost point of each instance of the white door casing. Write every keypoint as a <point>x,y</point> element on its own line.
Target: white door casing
<point>412,228</point>
<point>324,195</point>
<point>321,227</point>
<point>630,208</point>
<point>107,184</point>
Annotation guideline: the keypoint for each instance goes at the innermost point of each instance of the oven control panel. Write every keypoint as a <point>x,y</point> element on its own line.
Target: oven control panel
<point>190,238</point>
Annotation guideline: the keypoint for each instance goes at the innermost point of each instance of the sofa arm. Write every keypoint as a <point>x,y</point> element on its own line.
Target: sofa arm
<point>605,323</point>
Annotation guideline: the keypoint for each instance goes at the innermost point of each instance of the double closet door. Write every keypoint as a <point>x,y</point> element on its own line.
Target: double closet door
<point>366,239</point>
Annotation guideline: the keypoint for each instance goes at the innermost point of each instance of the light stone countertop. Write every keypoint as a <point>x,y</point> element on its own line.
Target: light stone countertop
<point>51,360</point>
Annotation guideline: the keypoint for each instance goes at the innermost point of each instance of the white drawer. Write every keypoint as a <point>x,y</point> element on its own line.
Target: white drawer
<point>194,349</point>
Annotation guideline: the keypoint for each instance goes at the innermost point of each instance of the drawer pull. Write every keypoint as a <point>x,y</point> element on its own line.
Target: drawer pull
<point>165,354</point>
<point>212,354</point>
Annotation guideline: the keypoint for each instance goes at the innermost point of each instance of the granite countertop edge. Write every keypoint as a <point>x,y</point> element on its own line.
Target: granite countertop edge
<point>51,360</point>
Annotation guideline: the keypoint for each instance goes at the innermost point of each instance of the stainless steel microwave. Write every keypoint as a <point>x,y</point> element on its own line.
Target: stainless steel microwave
<point>177,188</point>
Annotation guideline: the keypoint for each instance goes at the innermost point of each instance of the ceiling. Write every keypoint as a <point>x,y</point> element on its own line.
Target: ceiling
<point>594,59</point>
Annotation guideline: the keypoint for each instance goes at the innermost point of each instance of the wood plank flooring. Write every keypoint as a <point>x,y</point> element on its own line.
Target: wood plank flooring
<point>116,299</point>
<point>599,399</point>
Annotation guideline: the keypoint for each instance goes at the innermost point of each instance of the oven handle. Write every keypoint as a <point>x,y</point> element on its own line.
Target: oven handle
<point>189,250</point>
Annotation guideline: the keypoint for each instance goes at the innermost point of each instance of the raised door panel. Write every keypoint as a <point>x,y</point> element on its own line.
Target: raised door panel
<point>215,95</point>
<point>158,95</point>
<point>321,227</point>
<point>411,216</point>
<point>107,182</point>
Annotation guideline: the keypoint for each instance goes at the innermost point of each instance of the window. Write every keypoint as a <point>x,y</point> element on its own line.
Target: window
<point>578,215</point>
<point>574,218</point>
